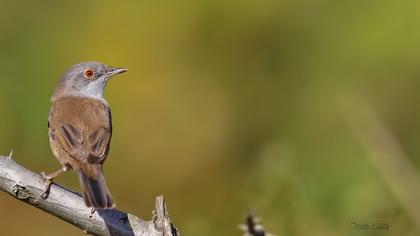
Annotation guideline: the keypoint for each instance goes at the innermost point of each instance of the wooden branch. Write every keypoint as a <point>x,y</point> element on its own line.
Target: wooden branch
<point>68,205</point>
<point>253,227</point>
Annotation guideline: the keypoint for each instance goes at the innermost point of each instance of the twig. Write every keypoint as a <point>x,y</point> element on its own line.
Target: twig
<point>253,227</point>
<point>68,205</point>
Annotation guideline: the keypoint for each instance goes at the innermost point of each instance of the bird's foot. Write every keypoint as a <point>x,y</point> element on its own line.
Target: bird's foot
<point>48,180</point>
<point>47,185</point>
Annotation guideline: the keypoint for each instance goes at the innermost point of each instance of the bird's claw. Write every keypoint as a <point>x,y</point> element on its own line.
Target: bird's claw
<point>44,195</point>
<point>47,185</point>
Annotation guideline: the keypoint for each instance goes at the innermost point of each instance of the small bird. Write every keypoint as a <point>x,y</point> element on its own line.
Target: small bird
<point>80,129</point>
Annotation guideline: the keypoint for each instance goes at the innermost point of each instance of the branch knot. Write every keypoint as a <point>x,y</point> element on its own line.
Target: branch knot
<point>21,192</point>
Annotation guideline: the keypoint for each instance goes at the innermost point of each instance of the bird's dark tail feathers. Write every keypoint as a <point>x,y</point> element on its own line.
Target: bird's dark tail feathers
<point>94,189</point>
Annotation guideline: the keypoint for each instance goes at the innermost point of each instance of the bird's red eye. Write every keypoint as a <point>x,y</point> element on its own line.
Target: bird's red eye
<point>89,74</point>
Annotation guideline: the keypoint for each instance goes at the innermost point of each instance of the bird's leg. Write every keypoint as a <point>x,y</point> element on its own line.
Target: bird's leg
<point>48,180</point>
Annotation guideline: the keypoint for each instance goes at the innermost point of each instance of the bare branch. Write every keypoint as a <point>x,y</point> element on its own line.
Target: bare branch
<point>253,227</point>
<point>68,205</point>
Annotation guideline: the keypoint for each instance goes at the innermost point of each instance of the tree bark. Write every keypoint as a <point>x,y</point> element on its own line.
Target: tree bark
<point>68,205</point>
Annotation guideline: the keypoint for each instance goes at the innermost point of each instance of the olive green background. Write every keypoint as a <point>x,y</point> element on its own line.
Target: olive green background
<point>228,105</point>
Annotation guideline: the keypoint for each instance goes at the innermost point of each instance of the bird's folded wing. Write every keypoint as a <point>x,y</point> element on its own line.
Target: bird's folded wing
<point>70,140</point>
<point>82,128</point>
<point>93,149</point>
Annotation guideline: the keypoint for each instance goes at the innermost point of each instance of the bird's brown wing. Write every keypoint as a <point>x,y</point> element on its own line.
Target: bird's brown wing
<point>98,144</point>
<point>82,128</point>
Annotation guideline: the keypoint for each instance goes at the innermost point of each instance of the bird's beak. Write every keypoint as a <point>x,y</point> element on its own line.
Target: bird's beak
<point>115,71</point>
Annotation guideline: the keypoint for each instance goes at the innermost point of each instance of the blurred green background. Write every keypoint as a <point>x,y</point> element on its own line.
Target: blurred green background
<point>228,105</point>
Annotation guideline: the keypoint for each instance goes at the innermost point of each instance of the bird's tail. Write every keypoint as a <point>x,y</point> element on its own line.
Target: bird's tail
<point>94,189</point>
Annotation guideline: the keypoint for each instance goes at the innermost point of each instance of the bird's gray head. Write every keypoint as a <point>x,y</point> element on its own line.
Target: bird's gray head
<point>86,79</point>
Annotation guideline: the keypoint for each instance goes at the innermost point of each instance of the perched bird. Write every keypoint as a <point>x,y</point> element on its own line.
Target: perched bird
<point>80,128</point>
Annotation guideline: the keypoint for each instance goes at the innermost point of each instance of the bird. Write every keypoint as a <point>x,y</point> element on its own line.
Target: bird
<point>80,130</point>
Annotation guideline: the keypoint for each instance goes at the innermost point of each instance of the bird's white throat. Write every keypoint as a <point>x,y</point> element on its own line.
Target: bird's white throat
<point>94,89</point>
